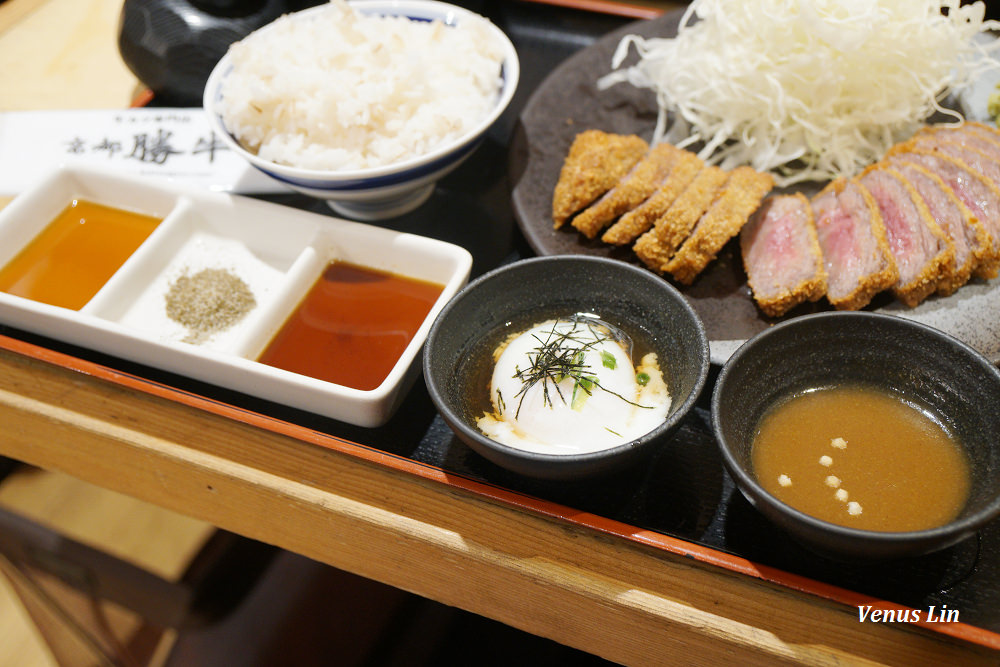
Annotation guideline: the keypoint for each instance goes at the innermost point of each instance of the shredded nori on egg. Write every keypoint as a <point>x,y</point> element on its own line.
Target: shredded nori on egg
<point>560,355</point>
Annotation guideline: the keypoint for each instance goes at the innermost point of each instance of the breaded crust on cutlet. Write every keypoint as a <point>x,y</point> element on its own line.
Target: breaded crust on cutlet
<point>595,162</point>
<point>984,130</point>
<point>989,260</point>
<point>633,223</point>
<point>872,283</point>
<point>964,227</point>
<point>633,189</point>
<point>876,282</point>
<point>966,134</point>
<point>657,246</point>
<point>740,197</point>
<point>938,266</point>
<point>781,298</point>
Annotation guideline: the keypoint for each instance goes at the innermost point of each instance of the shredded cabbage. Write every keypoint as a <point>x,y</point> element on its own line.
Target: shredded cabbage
<point>806,89</point>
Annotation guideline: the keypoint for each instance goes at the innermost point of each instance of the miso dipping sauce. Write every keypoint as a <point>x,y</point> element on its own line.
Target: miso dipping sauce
<point>863,458</point>
<point>76,254</point>
<point>352,326</point>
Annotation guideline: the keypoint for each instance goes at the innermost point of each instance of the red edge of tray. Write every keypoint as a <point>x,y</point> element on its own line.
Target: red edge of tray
<point>606,7</point>
<point>660,541</point>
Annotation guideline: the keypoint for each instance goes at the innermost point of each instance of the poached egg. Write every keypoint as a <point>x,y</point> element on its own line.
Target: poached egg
<point>569,386</point>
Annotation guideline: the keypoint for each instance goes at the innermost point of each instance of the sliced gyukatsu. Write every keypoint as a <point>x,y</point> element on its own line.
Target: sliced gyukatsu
<point>852,237</point>
<point>637,221</point>
<point>972,157</point>
<point>633,189</point>
<point>740,197</point>
<point>595,162</point>
<point>972,188</point>
<point>982,130</point>
<point>923,253</point>
<point>657,246</point>
<point>781,254</point>
<point>965,135</point>
<point>966,233</point>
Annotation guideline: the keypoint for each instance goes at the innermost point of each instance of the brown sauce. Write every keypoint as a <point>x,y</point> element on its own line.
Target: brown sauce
<point>75,255</point>
<point>862,458</point>
<point>352,326</point>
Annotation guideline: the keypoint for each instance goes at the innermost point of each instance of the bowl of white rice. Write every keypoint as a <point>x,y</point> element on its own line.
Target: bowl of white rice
<point>363,103</point>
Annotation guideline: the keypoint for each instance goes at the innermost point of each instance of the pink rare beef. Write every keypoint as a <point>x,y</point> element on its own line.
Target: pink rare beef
<point>922,252</point>
<point>855,249</point>
<point>781,254</point>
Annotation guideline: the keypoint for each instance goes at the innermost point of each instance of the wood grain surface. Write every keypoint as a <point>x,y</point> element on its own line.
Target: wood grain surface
<point>62,54</point>
<point>618,599</point>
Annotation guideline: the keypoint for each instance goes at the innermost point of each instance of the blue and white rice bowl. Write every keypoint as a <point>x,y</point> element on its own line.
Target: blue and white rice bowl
<point>380,192</point>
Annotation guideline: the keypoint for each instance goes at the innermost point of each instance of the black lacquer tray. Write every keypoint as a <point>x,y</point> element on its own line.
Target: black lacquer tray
<point>684,493</point>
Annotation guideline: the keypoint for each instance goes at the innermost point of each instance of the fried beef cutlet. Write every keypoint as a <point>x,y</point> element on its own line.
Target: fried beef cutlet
<point>855,249</point>
<point>596,161</point>
<point>631,191</point>
<point>633,223</point>
<point>983,130</point>
<point>923,254</point>
<point>656,246</point>
<point>740,196</point>
<point>979,194</point>
<point>951,145</point>
<point>965,135</point>
<point>781,254</point>
<point>925,219</point>
<point>963,229</point>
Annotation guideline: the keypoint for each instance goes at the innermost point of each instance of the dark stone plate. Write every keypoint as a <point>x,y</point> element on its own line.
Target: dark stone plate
<point>568,102</point>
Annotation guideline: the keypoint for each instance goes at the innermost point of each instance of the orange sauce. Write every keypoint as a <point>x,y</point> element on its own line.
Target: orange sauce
<point>352,326</point>
<point>76,254</point>
<point>861,457</point>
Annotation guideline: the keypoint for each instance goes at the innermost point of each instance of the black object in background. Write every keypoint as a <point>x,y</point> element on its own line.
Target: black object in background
<point>172,45</point>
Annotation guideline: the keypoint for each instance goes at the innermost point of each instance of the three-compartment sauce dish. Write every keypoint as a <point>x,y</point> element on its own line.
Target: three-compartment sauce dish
<point>305,310</point>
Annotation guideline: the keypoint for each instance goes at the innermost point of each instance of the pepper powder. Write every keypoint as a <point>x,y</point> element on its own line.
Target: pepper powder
<point>208,301</point>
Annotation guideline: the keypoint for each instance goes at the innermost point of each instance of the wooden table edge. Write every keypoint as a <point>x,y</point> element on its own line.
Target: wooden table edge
<point>617,599</point>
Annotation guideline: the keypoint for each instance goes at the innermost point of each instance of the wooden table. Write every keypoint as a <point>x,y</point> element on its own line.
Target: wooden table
<point>613,597</point>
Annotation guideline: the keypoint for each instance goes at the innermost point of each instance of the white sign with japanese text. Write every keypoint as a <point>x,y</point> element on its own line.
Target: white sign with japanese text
<point>173,144</point>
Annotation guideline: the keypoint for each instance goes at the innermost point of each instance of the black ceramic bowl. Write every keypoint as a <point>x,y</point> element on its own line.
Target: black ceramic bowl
<point>923,365</point>
<point>464,335</point>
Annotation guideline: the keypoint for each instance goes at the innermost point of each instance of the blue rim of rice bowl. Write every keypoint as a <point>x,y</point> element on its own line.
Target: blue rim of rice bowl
<point>395,173</point>
<point>367,183</point>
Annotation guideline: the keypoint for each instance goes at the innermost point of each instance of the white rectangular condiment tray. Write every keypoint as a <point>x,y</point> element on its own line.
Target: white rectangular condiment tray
<point>277,251</point>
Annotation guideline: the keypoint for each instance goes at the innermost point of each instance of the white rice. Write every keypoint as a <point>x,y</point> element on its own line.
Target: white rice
<point>340,91</point>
